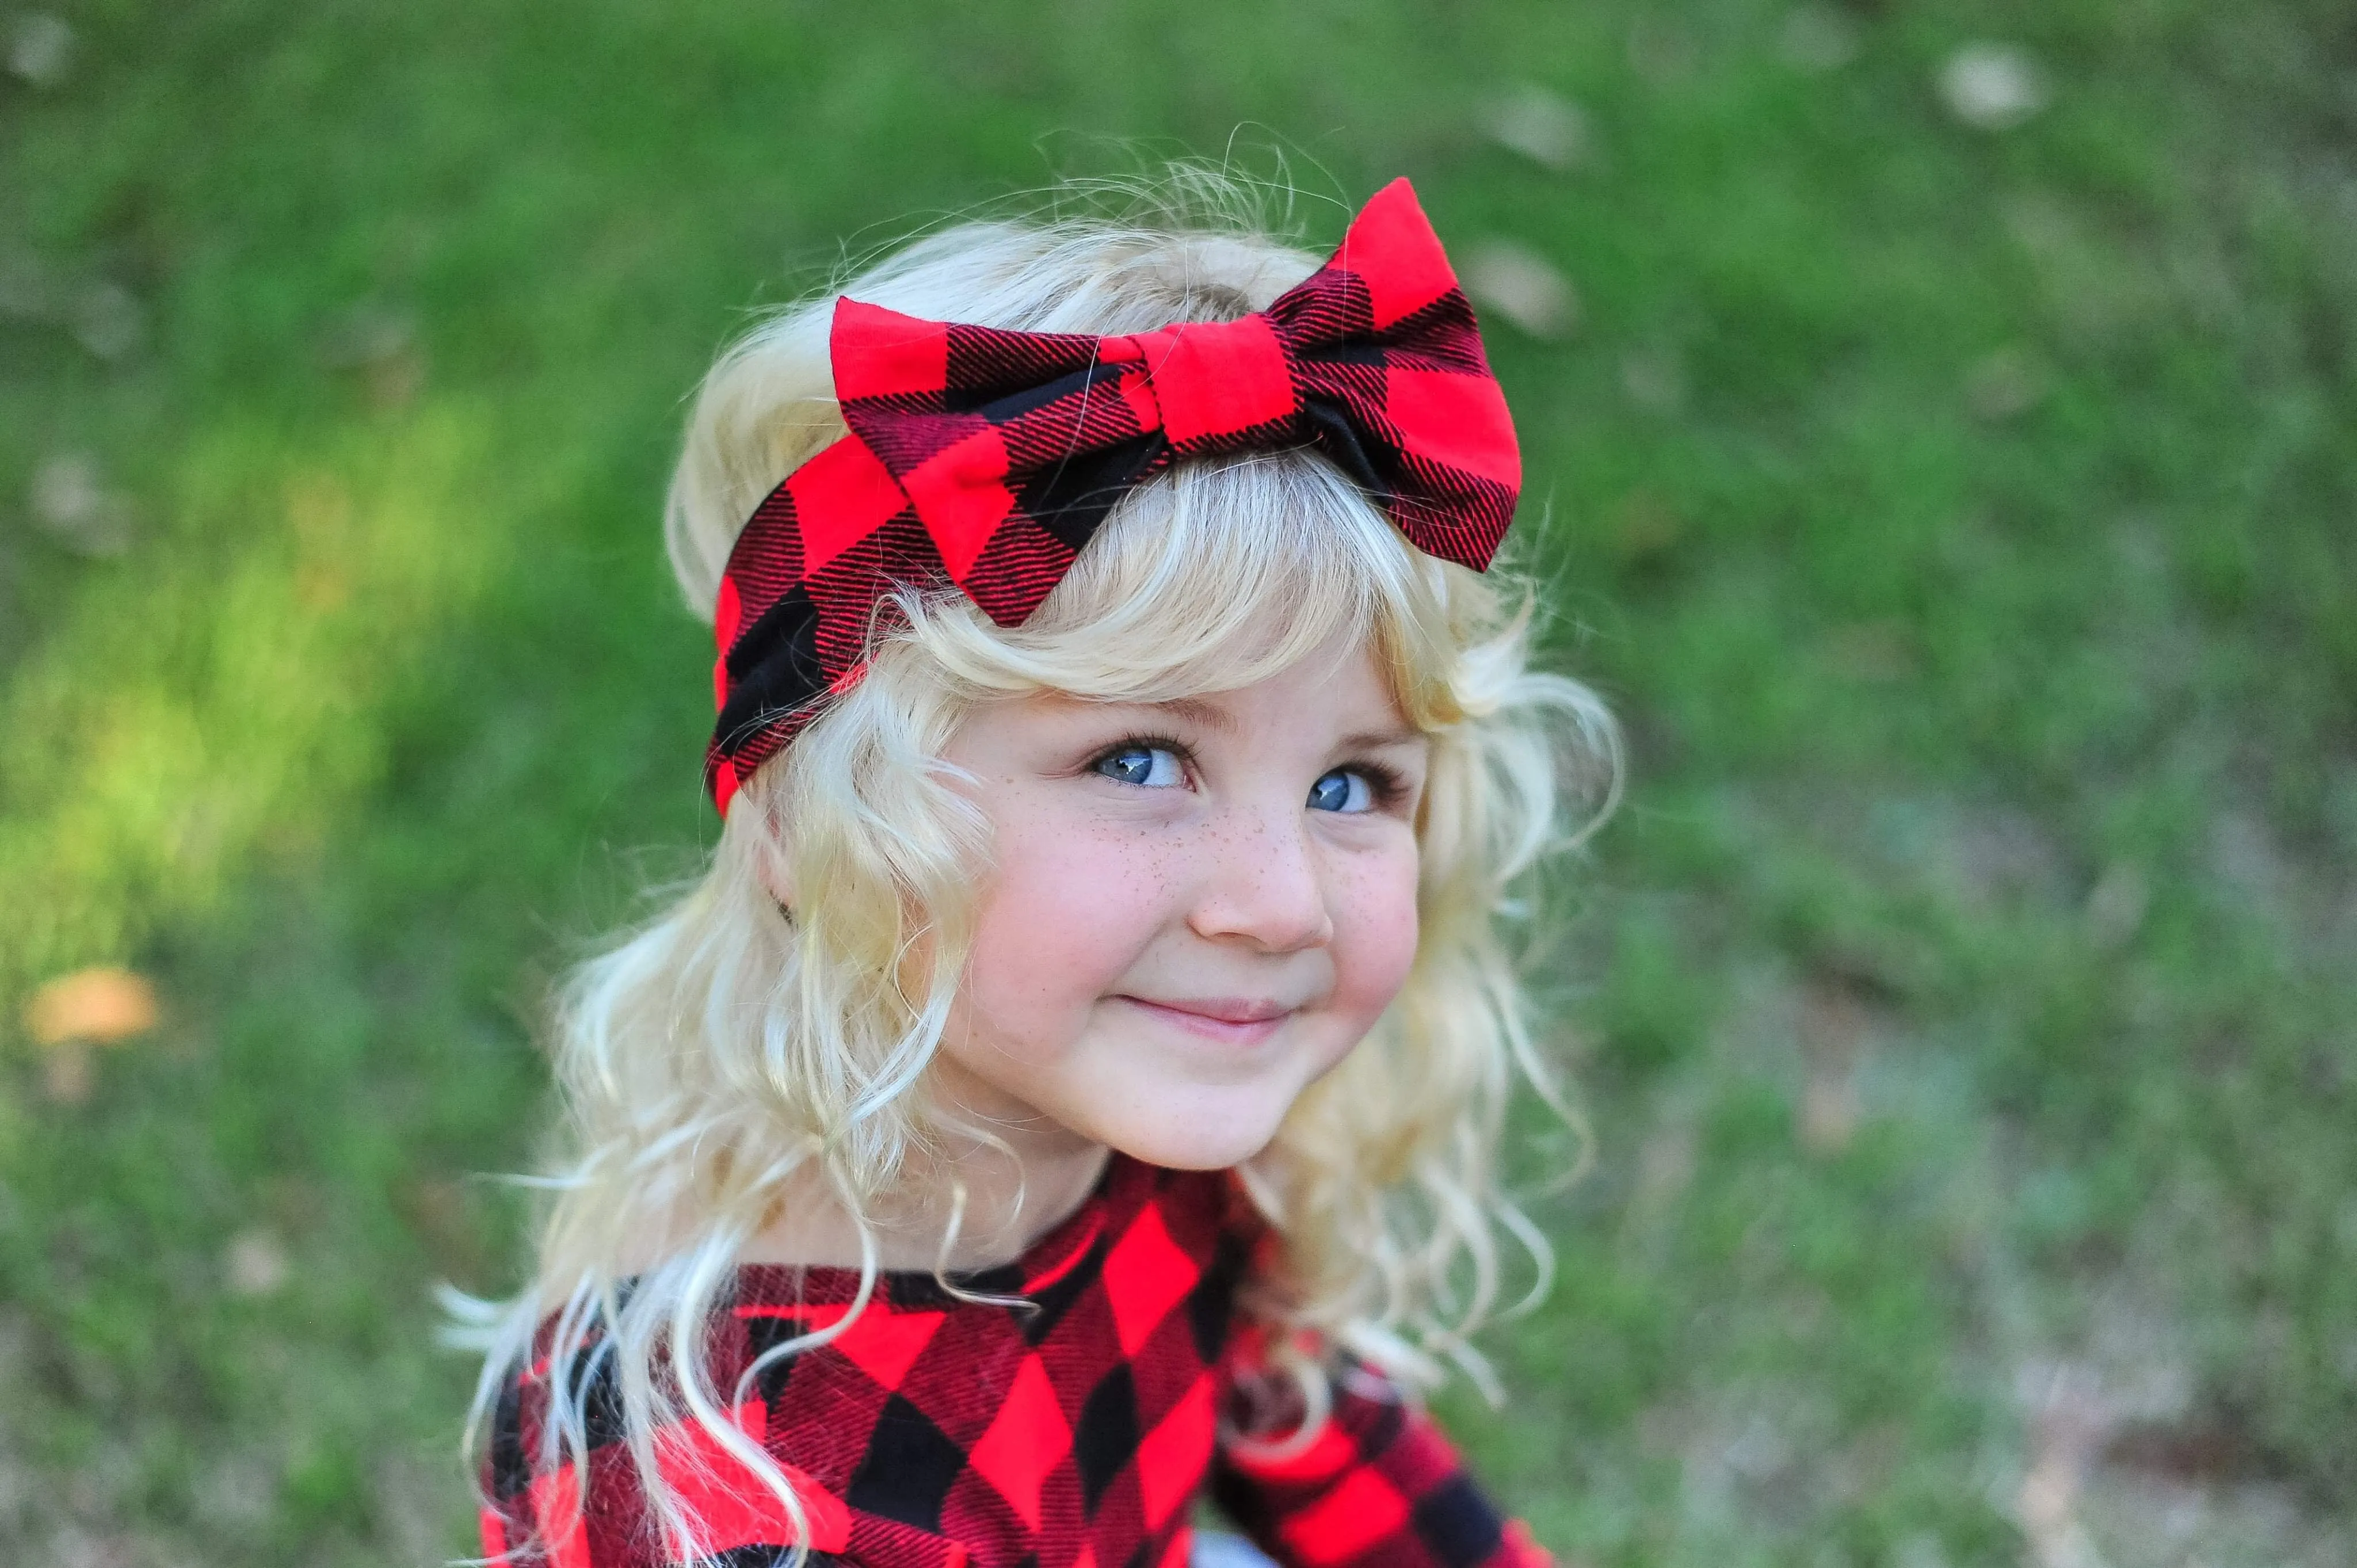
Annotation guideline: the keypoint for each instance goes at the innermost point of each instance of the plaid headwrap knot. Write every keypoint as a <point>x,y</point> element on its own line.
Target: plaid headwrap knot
<point>985,458</point>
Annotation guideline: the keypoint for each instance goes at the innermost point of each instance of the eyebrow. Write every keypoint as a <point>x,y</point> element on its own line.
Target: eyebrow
<point>1372,740</point>
<point>1210,715</point>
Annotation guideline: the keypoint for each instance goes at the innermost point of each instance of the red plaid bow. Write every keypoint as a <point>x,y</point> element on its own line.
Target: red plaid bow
<point>986,459</point>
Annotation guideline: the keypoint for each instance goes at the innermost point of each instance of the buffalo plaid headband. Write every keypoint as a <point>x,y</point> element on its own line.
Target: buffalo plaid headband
<point>985,458</point>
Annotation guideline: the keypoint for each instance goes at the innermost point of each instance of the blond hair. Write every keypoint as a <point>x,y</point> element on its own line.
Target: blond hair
<point>730,1049</point>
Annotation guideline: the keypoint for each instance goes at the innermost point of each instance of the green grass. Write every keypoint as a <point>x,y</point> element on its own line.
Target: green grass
<point>1961,519</point>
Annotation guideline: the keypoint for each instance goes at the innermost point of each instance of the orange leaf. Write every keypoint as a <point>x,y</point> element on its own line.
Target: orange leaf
<point>102,1005</point>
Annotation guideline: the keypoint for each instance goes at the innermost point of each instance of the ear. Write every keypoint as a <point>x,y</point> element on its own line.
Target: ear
<point>777,881</point>
<point>771,867</point>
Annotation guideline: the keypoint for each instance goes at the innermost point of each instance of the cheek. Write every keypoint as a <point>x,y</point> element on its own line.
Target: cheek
<point>1065,916</point>
<point>1375,930</point>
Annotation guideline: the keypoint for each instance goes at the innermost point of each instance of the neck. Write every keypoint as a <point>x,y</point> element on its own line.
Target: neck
<point>1011,1196</point>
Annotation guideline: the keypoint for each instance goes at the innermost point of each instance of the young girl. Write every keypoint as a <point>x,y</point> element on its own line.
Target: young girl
<point>1073,1090</point>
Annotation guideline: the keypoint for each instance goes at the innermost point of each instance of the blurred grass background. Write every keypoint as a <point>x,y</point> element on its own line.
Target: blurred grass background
<point>1941,417</point>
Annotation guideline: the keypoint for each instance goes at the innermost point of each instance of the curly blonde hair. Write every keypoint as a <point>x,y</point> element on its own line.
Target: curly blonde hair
<point>729,1050</point>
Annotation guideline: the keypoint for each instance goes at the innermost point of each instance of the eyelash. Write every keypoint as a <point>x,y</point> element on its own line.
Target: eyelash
<point>1385,783</point>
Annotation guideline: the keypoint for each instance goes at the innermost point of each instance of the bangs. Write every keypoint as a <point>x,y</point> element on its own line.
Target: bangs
<point>1210,577</point>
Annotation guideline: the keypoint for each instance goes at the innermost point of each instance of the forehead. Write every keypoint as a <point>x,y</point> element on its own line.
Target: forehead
<point>1338,694</point>
<point>1340,686</point>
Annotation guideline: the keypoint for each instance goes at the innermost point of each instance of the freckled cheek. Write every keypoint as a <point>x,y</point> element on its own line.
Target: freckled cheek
<point>1375,930</point>
<point>1063,921</point>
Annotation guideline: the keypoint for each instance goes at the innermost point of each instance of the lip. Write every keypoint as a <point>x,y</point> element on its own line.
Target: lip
<point>1230,1020</point>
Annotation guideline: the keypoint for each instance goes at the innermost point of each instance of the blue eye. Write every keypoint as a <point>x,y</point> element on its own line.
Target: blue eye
<point>1344,790</point>
<point>1150,766</point>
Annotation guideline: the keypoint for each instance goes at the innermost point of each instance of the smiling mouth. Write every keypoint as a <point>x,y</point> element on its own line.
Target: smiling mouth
<point>1236,1022</point>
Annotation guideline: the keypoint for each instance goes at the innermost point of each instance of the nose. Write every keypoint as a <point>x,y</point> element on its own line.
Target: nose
<point>1264,887</point>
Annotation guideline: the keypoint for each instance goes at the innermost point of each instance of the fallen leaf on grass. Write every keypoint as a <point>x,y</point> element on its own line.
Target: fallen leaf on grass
<point>40,48</point>
<point>1993,87</point>
<point>107,320</point>
<point>99,1006</point>
<point>72,504</point>
<point>255,1264</point>
<point>103,317</point>
<point>75,1012</point>
<point>1542,125</point>
<point>1523,286</point>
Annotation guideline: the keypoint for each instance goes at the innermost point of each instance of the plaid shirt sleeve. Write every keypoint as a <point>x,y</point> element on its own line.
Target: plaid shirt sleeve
<point>1379,1487</point>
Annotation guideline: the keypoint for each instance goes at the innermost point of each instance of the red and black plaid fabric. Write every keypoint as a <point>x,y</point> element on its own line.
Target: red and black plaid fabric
<point>1072,1426</point>
<point>986,459</point>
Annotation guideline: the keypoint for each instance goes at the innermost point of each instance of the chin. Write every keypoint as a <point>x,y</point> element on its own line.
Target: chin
<point>1199,1138</point>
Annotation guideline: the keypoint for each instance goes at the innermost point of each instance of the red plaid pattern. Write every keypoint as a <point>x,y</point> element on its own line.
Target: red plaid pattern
<point>1072,1429</point>
<point>986,459</point>
<point>1381,1487</point>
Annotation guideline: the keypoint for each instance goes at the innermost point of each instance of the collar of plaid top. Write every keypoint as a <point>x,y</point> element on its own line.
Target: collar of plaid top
<point>985,458</point>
